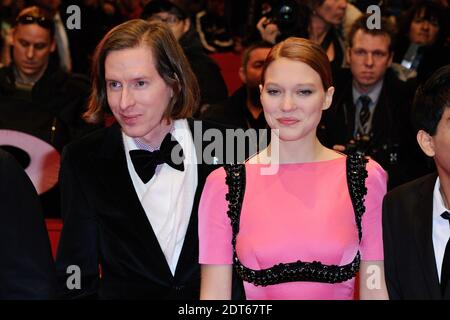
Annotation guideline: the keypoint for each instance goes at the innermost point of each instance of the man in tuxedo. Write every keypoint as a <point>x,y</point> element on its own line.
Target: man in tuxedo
<point>370,112</point>
<point>416,227</point>
<point>26,270</point>
<point>130,192</point>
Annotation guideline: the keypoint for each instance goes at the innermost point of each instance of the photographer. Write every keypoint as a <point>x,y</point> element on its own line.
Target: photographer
<point>370,112</point>
<point>316,20</point>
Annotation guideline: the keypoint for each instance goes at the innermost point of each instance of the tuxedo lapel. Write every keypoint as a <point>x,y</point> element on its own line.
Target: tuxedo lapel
<point>116,180</point>
<point>423,227</point>
<point>203,169</point>
<point>190,245</point>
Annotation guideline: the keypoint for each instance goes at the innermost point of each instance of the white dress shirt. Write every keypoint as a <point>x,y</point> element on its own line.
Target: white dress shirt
<point>441,227</point>
<point>169,195</point>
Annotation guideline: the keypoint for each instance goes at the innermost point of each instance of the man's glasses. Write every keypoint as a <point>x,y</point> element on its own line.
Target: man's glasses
<point>42,21</point>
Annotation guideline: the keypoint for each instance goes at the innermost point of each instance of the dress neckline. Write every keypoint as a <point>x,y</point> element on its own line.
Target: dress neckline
<point>329,161</point>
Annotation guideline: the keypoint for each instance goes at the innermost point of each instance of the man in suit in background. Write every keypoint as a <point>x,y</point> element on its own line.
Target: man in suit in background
<point>416,227</point>
<point>370,112</point>
<point>26,269</point>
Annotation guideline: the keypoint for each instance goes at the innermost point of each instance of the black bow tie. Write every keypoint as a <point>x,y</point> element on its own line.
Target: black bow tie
<point>145,162</point>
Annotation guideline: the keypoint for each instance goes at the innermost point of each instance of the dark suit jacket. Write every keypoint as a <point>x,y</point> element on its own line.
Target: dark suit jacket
<point>409,260</point>
<point>26,268</point>
<point>105,225</point>
<point>391,127</point>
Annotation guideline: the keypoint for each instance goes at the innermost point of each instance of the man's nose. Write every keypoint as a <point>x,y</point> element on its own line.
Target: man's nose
<point>425,25</point>
<point>30,52</point>
<point>126,99</point>
<point>369,59</point>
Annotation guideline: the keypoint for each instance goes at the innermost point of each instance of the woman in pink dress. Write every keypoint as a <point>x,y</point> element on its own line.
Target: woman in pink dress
<point>298,220</point>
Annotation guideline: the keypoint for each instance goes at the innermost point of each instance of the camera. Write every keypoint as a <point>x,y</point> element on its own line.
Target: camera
<point>386,154</point>
<point>288,16</point>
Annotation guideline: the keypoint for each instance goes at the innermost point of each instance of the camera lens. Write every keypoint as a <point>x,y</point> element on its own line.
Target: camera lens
<point>286,12</point>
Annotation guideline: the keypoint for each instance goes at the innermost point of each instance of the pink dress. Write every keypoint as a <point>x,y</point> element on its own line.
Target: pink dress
<point>304,212</point>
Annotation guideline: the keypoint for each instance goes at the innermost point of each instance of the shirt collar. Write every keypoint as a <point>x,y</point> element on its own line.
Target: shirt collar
<point>438,202</point>
<point>374,94</point>
<point>139,143</point>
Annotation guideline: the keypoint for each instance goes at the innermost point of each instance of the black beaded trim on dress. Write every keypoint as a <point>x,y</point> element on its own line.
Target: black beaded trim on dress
<point>297,271</point>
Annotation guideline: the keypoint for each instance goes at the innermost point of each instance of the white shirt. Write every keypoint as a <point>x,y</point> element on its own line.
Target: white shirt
<point>441,227</point>
<point>169,195</point>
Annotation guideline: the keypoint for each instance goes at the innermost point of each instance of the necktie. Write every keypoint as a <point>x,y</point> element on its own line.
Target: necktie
<point>364,113</point>
<point>145,162</point>
<point>445,271</point>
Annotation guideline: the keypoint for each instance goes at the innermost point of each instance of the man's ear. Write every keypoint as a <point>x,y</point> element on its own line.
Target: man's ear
<point>242,75</point>
<point>426,143</point>
<point>328,98</point>
<point>11,37</point>
<point>348,55</point>
<point>187,25</point>
<point>391,57</point>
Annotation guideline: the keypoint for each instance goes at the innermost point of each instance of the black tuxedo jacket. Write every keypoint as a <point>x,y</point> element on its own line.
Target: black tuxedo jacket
<point>26,264</point>
<point>410,264</point>
<point>106,231</point>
